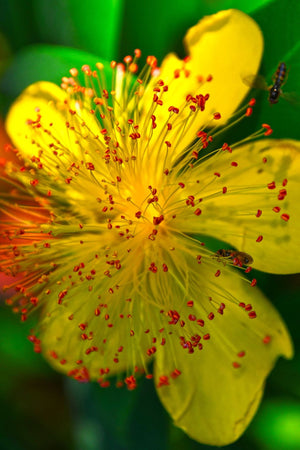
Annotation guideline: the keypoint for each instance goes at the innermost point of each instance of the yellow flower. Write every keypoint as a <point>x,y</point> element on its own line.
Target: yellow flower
<point>115,184</point>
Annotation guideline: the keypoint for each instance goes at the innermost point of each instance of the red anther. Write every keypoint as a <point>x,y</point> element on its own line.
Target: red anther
<point>197,212</point>
<point>190,200</point>
<point>272,185</point>
<point>252,102</point>
<point>285,217</point>
<point>192,317</point>
<point>267,128</point>
<point>182,185</point>
<point>264,160</point>
<point>195,154</point>
<point>282,194</point>
<point>211,316</point>
<point>206,337</point>
<point>284,182</point>
<point>168,143</point>
<point>234,164</point>
<point>236,365</point>
<point>266,339</point>
<point>248,269</point>
<point>97,312</point>
<point>138,214</point>
<point>200,322</point>
<point>248,112</point>
<point>209,78</point>
<point>175,373</point>
<point>218,273</point>
<point>34,182</point>
<point>90,166</point>
<point>241,354</point>
<point>248,307</point>
<point>193,108</point>
<point>259,213</point>
<point>73,72</point>
<point>113,64</point>
<point>276,209</point>
<point>169,126</point>
<point>158,220</point>
<point>86,69</point>
<point>127,59</point>
<point>151,61</point>
<point>165,267</point>
<point>217,174</point>
<point>137,53</point>
<point>152,268</point>
<point>268,132</point>
<point>253,282</point>
<point>217,116</point>
<point>252,314</point>
<point>163,381</point>
<point>260,238</point>
<point>242,305</point>
<point>190,303</point>
<point>176,73</point>
<point>61,295</point>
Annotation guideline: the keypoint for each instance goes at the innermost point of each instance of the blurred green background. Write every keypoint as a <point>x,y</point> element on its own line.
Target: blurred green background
<point>39,408</point>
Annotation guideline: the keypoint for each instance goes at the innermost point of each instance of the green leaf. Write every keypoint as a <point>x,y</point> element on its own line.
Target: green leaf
<point>43,63</point>
<point>277,425</point>
<point>279,22</point>
<point>92,26</point>
<point>17,22</point>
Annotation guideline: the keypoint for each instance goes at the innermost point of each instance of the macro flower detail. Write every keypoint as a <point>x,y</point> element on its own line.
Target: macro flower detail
<point>103,215</point>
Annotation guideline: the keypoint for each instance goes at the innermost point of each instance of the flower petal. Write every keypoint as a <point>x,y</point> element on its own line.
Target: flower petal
<point>37,120</point>
<point>224,46</point>
<point>259,212</point>
<point>39,98</point>
<point>278,252</point>
<point>220,387</point>
<point>95,328</point>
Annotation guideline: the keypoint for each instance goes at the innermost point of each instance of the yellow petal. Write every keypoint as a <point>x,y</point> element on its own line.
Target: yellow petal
<point>225,45</point>
<point>42,98</point>
<point>49,106</point>
<point>254,216</point>
<point>278,251</point>
<point>101,321</point>
<point>219,389</point>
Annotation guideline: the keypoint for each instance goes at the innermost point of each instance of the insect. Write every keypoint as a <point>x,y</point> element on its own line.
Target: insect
<point>279,78</point>
<point>238,258</point>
